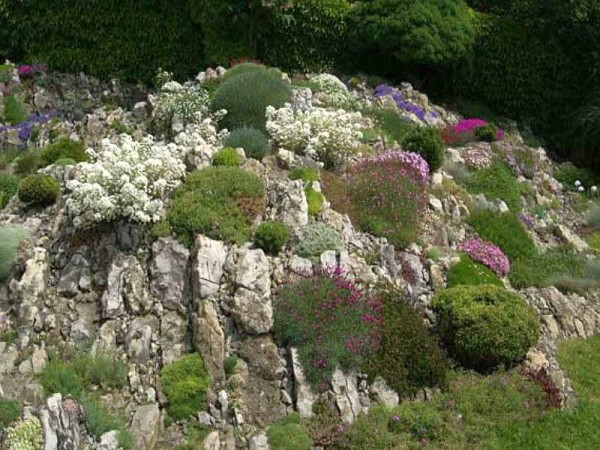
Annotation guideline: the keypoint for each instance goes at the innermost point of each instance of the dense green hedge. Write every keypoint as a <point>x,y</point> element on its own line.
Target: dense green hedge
<point>124,38</point>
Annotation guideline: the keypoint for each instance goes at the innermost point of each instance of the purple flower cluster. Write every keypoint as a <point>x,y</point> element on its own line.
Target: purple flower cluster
<point>470,125</point>
<point>383,90</point>
<point>30,70</point>
<point>487,254</point>
<point>527,220</point>
<point>26,128</point>
<point>410,159</point>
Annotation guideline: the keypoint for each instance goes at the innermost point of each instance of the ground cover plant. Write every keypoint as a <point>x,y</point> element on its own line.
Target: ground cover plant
<point>469,272</point>
<point>496,182</point>
<point>11,237</point>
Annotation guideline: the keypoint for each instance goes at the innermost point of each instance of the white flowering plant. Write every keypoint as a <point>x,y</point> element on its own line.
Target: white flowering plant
<point>336,92</point>
<point>204,138</point>
<point>329,136</point>
<point>189,102</point>
<point>125,180</point>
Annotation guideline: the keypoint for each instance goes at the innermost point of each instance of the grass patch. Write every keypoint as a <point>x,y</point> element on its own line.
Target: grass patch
<point>10,411</point>
<point>289,434</point>
<point>98,420</point>
<point>496,182</point>
<point>505,230</point>
<point>541,269</point>
<point>469,272</point>
<point>389,124</point>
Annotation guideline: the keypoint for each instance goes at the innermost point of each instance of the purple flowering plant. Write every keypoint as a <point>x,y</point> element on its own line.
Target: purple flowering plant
<point>330,320</point>
<point>487,254</point>
<point>383,90</point>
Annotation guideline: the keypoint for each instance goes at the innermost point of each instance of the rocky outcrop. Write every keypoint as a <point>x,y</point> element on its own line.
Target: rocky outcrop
<point>168,270</point>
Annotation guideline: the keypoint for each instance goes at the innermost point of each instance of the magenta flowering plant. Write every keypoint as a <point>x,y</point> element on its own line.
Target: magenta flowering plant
<point>384,195</point>
<point>31,69</point>
<point>464,131</point>
<point>487,254</point>
<point>330,320</point>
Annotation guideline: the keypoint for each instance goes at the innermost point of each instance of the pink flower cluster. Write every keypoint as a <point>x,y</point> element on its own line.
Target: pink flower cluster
<point>487,254</point>
<point>410,159</point>
<point>27,70</point>
<point>478,156</point>
<point>470,125</point>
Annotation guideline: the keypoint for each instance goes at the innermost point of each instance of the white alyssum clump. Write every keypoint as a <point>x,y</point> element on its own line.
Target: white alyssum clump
<point>188,102</point>
<point>125,180</point>
<point>336,92</point>
<point>203,138</point>
<point>329,136</point>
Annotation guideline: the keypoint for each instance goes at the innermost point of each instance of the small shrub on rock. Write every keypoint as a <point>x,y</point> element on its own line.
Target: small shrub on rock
<point>228,157</point>
<point>505,230</point>
<point>219,202</point>
<point>317,238</point>
<point>384,195</point>
<point>28,162</point>
<point>469,272</point>
<point>254,142</point>
<point>486,133</point>
<point>64,148</point>
<point>99,421</point>
<point>306,174</point>
<point>331,322</point>
<point>13,111</point>
<point>485,326</point>
<point>315,200</point>
<point>11,237</point>
<point>428,143</point>
<point>10,411</point>
<point>408,357</point>
<point>246,96</point>
<point>59,376</point>
<point>39,190</point>
<point>271,236</point>
<point>289,434</point>
<point>185,383</point>
<point>9,185</point>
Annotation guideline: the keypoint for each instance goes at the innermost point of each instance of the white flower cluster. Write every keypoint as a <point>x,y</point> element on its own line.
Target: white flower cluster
<point>336,92</point>
<point>329,136</point>
<point>203,138</point>
<point>126,180</point>
<point>189,102</point>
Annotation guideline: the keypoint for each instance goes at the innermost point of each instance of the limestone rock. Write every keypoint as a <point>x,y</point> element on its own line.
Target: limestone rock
<point>145,427</point>
<point>347,399</point>
<point>169,274</point>
<point>208,266</point>
<point>209,340</point>
<point>173,328</point>
<point>139,337</point>
<point>123,276</point>
<point>305,397</point>
<point>75,277</point>
<point>384,394</point>
<point>288,203</point>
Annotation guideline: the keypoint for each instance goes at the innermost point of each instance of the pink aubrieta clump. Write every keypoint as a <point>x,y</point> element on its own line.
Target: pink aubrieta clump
<point>410,159</point>
<point>470,125</point>
<point>487,254</point>
<point>478,156</point>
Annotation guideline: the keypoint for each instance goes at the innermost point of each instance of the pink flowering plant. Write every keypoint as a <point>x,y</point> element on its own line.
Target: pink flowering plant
<point>330,320</point>
<point>465,131</point>
<point>487,254</point>
<point>478,156</point>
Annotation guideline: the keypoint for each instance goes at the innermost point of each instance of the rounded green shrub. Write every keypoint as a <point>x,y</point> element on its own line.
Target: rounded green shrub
<point>63,148</point>
<point>227,156</point>
<point>27,163</point>
<point>185,383</point>
<point>485,326</point>
<point>486,133</point>
<point>254,142</point>
<point>428,143</point>
<point>306,174</point>
<point>469,272</point>
<point>13,111</point>
<point>11,237</point>
<point>246,97</point>
<point>271,236</point>
<point>9,185</point>
<point>39,190</point>
<point>409,357</point>
<point>220,202</point>
<point>317,238</point>
<point>245,67</point>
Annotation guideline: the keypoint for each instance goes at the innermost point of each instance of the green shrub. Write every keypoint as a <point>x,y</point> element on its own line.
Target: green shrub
<point>428,143</point>
<point>469,272</point>
<point>567,173</point>
<point>162,228</point>
<point>219,202</point>
<point>13,111</point>
<point>254,142</point>
<point>408,357</point>
<point>101,370</point>
<point>64,148</point>
<point>247,67</point>
<point>9,185</point>
<point>271,236</point>
<point>39,190</point>
<point>246,97</point>
<point>10,411</point>
<point>485,326</point>
<point>185,382</point>
<point>389,124</point>
<point>28,162</point>
<point>331,322</point>
<point>542,269</point>
<point>496,182</point>
<point>594,241</point>
<point>316,238</point>
<point>62,162</point>
<point>289,434</point>
<point>61,377</point>
<point>11,237</point>
<point>486,133</point>
<point>505,230</point>
<point>306,174</point>
<point>229,365</point>
<point>195,434</point>
<point>315,200</point>
<point>227,157</point>
<point>99,421</point>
